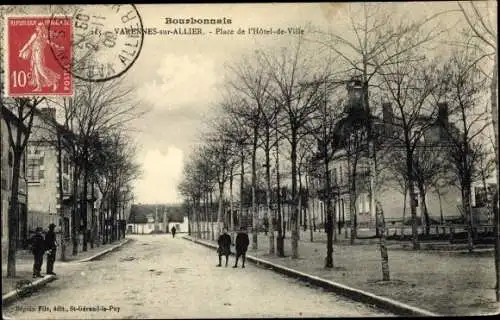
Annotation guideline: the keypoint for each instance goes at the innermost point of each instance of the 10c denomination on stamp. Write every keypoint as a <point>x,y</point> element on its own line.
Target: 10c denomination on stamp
<point>32,67</point>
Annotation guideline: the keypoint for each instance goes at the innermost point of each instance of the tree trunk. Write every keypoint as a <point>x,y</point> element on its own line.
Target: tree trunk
<point>61,196</point>
<point>468,215</point>
<point>423,209</point>
<point>197,213</point>
<point>212,216</point>
<point>242,187</point>
<point>280,241</point>
<point>383,248</point>
<point>352,200</point>
<point>330,223</point>
<point>75,221</point>
<point>496,218</point>
<point>84,202</point>
<point>269,214</point>
<point>13,217</point>
<point>221,205</point>
<point>254,185</point>
<point>231,207</point>
<point>309,205</point>
<point>404,211</point>
<point>294,216</point>
<point>414,218</point>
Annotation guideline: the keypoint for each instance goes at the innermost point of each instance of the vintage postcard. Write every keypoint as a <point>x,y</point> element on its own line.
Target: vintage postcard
<point>249,160</point>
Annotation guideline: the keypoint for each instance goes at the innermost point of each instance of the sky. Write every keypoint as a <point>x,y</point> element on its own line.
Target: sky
<point>178,78</point>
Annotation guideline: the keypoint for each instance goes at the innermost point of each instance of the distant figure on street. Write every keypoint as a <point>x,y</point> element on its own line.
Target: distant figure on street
<point>242,242</point>
<point>38,249</point>
<point>51,246</point>
<point>173,231</point>
<point>224,249</point>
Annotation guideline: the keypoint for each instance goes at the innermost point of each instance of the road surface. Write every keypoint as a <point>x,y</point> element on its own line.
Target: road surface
<point>155,276</point>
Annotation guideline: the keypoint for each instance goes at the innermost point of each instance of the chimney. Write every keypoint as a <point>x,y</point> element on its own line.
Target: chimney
<point>387,113</point>
<point>442,120</point>
<point>443,113</point>
<point>388,117</point>
<point>49,112</point>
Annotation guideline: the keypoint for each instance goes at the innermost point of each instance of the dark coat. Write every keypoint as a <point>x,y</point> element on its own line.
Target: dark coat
<point>224,242</point>
<point>242,242</point>
<point>50,240</point>
<point>37,244</point>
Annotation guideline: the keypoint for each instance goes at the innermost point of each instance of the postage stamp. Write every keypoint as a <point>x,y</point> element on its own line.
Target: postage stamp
<point>32,67</point>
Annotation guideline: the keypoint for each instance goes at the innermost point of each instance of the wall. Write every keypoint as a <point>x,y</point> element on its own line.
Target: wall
<point>43,194</point>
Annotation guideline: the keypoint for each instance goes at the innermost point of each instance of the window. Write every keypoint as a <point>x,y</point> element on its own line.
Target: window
<point>34,174</point>
<point>66,165</point>
<point>33,170</point>
<point>65,185</point>
<point>334,176</point>
<point>340,174</point>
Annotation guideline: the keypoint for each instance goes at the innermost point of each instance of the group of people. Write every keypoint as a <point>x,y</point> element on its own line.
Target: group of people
<point>39,246</point>
<point>241,244</point>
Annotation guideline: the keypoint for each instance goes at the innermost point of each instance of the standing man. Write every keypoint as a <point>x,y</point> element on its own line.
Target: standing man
<point>173,231</point>
<point>38,249</point>
<point>224,249</point>
<point>51,245</point>
<point>242,242</point>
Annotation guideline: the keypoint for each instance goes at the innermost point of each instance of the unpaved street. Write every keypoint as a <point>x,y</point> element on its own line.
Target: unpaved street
<point>156,276</point>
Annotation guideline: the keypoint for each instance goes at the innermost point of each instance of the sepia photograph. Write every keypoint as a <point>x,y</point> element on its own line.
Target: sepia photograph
<point>249,160</point>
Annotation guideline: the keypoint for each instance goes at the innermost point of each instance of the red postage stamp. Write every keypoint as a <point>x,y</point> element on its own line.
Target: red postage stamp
<point>34,47</point>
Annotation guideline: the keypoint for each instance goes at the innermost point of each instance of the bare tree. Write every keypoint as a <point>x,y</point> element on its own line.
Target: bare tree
<point>379,41</point>
<point>430,166</point>
<point>484,31</point>
<point>251,81</point>
<point>463,82</point>
<point>288,71</point>
<point>19,130</point>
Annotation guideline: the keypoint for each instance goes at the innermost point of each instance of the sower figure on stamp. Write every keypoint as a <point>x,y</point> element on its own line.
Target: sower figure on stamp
<point>51,245</point>
<point>173,231</point>
<point>242,242</point>
<point>224,249</point>
<point>34,50</point>
<point>38,249</point>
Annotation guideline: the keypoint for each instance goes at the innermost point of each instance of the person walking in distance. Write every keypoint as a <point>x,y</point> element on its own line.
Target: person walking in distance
<point>173,231</point>
<point>51,245</point>
<point>38,249</point>
<point>224,249</point>
<point>242,242</point>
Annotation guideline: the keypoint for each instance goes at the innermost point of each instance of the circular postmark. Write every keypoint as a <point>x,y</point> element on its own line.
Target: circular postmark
<point>106,40</point>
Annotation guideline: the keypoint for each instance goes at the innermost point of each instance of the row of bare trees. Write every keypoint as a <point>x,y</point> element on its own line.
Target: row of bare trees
<point>290,104</point>
<point>91,132</point>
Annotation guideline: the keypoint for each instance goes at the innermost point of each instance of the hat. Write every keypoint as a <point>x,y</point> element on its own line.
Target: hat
<point>52,226</point>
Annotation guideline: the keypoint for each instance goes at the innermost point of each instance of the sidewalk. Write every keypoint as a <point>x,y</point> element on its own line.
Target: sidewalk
<point>446,283</point>
<point>24,264</point>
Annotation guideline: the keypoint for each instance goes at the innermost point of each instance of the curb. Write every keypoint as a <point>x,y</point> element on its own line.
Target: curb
<point>384,303</point>
<point>102,253</point>
<point>15,295</point>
